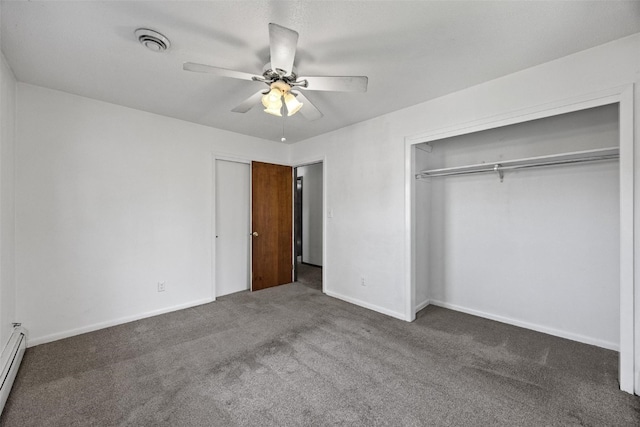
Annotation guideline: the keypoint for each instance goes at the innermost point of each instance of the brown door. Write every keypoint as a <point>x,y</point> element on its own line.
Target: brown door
<point>272,212</point>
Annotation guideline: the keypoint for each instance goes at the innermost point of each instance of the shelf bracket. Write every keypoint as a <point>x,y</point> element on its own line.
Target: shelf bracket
<point>500,172</point>
<point>425,147</point>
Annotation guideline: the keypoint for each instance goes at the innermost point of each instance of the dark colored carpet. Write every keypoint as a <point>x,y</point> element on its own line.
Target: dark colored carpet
<point>310,276</point>
<point>291,356</point>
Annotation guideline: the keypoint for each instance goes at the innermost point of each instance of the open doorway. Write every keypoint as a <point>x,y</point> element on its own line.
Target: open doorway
<point>308,212</point>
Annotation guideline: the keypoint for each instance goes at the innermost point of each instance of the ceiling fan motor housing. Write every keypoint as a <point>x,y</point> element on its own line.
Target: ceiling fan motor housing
<point>271,75</point>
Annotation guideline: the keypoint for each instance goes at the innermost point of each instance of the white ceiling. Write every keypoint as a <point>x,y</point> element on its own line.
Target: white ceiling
<point>412,51</point>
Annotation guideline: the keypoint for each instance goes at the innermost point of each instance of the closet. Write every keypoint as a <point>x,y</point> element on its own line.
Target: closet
<point>521,224</point>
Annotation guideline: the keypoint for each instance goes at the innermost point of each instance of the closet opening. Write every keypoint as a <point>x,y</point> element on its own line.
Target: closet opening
<point>521,223</point>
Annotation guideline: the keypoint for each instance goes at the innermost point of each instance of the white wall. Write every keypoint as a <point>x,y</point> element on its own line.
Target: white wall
<point>365,166</point>
<point>312,213</point>
<point>110,201</point>
<point>540,249</point>
<point>7,223</point>
<point>364,177</point>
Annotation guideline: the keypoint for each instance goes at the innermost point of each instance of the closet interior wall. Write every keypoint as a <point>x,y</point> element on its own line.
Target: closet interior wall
<point>541,248</point>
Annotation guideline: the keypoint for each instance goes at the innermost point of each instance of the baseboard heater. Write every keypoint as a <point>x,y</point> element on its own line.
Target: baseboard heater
<point>10,361</point>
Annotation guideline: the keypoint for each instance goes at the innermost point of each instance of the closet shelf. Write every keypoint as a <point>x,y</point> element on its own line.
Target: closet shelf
<point>594,155</point>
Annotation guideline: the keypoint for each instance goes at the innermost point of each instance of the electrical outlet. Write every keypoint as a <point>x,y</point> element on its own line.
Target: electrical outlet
<point>161,286</point>
<point>362,282</point>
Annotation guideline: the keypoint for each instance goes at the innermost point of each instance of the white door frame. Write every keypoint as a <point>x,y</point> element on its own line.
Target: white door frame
<point>629,374</point>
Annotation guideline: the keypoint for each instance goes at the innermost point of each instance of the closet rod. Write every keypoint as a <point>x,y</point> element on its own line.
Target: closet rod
<point>498,168</point>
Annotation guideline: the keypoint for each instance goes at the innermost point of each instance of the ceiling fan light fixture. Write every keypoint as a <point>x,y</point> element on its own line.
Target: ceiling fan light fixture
<point>293,105</point>
<point>274,109</point>
<point>273,97</point>
<point>273,102</point>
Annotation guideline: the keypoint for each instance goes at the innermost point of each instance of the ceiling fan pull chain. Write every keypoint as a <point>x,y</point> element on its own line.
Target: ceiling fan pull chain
<point>283,139</point>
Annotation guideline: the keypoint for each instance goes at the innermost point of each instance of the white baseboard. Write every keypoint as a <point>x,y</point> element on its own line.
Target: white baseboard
<point>101,325</point>
<point>422,305</point>
<point>367,305</point>
<point>532,326</point>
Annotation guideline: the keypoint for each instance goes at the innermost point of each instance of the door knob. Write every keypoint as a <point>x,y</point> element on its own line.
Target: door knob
<point>254,234</point>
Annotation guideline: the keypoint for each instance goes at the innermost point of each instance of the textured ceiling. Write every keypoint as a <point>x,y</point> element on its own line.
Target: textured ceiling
<point>412,51</point>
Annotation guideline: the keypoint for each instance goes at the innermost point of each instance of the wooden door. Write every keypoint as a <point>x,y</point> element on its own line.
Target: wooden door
<point>272,212</point>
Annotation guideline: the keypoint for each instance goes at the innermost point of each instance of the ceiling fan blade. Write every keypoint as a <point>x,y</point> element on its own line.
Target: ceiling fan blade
<point>222,72</point>
<point>282,42</point>
<point>308,110</point>
<point>249,103</point>
<point>336,83</point>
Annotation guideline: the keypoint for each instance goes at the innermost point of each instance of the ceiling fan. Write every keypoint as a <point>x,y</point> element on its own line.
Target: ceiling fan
<point>280,75</point>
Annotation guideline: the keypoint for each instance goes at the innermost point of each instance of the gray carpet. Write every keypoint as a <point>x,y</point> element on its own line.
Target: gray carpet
<point>291,356</point>
<point>310,275</point>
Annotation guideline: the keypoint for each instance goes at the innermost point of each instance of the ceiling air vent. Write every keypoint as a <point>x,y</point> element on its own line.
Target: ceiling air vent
<point>152,40</point>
